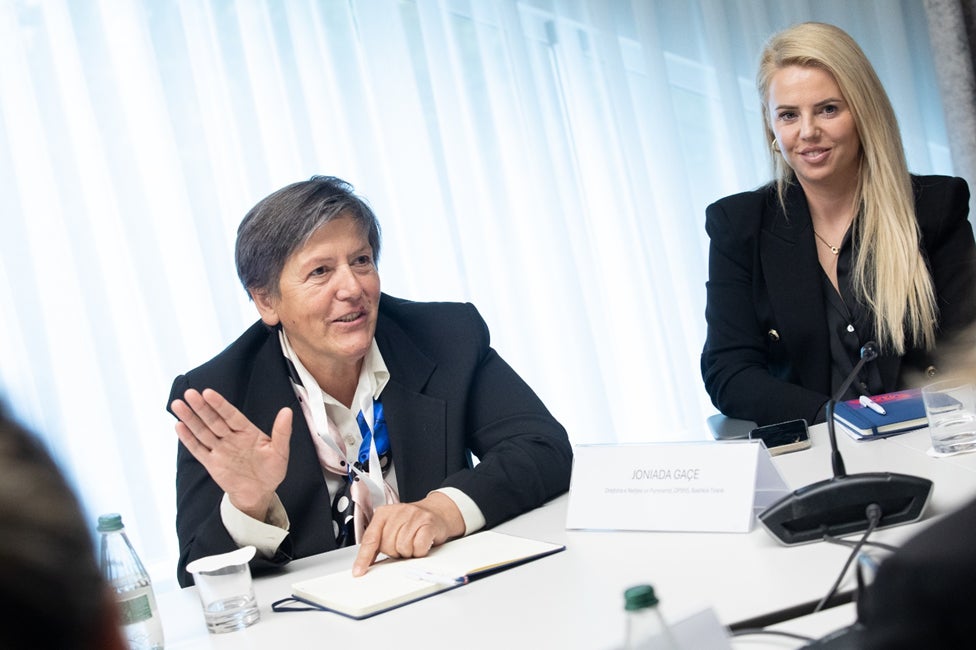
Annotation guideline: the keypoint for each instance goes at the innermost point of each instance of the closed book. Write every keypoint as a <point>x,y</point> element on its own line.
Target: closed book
<point>904,411</point>
<point>392,583</point>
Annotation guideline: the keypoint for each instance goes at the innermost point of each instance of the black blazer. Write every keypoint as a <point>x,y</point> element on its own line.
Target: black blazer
<point>449,395</point>
<point>766,354</point>
<point>923,595</point>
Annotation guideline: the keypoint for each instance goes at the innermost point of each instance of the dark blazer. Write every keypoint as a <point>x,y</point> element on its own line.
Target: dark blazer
<point>766,354</point>
<point>923,595</point>
<point>449,395</point>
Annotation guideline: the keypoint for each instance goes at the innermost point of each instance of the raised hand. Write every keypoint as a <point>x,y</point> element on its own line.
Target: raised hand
<point>244,461</point>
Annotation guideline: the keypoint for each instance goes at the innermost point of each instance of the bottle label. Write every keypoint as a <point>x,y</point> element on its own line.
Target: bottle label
<point>135,610</point>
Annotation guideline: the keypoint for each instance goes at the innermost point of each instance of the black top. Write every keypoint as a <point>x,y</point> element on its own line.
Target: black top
<point>849,327</point>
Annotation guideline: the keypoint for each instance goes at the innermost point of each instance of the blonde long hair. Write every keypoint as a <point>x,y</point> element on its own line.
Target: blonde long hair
<point>890,275</point>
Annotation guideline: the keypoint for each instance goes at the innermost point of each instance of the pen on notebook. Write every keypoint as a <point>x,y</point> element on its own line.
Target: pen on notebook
<point>438,578</point>
<point>871,404</point>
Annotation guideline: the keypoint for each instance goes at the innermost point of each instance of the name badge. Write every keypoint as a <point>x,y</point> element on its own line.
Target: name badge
<point>680,486</point>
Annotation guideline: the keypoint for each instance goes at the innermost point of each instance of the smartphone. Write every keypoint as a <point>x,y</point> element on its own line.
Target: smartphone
<point>783,437</point>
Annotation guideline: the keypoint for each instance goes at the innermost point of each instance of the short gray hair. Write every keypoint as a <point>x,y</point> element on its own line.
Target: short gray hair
<point>283,221</point>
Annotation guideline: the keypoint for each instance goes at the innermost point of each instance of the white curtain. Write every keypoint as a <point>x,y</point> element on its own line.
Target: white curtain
<point>547,160</point>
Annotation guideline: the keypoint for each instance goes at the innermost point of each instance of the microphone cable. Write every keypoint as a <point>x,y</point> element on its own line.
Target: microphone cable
<point>873,513</point>
<point>846,542</point>
<point>754,631</point>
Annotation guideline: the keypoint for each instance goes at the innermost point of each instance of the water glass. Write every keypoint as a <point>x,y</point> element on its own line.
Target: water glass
<point>226,590</point>
<point>950,406</point>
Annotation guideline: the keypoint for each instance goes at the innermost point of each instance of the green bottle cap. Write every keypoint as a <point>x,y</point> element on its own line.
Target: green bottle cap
<point>639,597</point>
<point>110,523</point>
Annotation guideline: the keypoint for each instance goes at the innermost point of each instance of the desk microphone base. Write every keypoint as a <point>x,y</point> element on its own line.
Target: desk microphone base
<point>837,506</point>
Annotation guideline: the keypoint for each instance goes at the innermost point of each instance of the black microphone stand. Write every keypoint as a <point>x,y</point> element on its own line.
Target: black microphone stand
<point>839,506</point>
<point>869,352</point>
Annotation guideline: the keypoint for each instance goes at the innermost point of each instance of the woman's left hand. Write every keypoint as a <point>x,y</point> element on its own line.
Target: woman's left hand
<point>409,529</point>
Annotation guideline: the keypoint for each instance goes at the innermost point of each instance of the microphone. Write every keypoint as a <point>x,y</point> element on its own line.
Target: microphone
<point>838,506</point>
<point>869,352</point>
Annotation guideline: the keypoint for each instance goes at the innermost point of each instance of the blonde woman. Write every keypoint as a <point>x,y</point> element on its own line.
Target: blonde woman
<point>844,247</point>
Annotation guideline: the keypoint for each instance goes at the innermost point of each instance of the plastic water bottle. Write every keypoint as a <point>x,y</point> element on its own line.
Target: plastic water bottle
<point>126,575</point>
<point>646,628</point>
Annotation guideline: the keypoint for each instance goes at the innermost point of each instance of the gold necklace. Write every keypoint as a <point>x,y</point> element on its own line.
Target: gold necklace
<point>833,249</point>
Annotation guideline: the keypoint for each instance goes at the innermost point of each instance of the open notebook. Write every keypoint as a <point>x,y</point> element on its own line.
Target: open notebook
<point>391,583</point>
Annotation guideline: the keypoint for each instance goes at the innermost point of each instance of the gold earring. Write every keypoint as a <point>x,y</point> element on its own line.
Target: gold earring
<point>774,145</point>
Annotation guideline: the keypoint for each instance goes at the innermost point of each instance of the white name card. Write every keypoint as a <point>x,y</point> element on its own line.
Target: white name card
<point>681,486</point>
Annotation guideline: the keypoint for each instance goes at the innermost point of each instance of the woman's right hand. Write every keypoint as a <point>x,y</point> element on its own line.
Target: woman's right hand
<point>245,462</point>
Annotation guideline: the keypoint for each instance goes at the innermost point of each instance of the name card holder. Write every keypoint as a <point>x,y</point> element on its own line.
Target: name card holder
<point>672,486</point>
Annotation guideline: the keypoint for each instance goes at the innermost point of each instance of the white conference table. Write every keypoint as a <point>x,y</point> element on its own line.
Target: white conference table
<point>574,599</point>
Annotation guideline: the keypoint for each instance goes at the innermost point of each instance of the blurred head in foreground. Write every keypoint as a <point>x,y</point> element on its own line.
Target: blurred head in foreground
<point>50,583</point>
